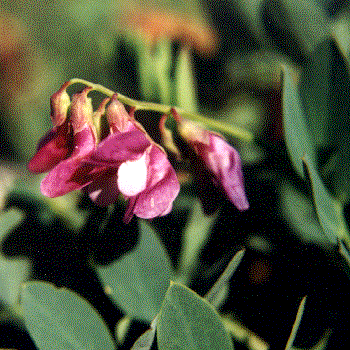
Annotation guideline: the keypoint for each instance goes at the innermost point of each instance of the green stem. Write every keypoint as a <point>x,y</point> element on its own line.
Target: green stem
<point>232,130</point>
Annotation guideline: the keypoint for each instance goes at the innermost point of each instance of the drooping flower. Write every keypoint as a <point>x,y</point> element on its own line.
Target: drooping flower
<point>130,163</point>
<point>56,145</point>
<point>127,161</point>
<point>81,141</point>
<point>220,158</point>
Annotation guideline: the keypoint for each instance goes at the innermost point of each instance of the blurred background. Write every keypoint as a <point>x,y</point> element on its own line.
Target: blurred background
<point>236,49</point>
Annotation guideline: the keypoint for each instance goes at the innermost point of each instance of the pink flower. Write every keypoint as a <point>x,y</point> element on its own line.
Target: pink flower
<point>56,145</point>
<point>130,163</point>
<point>157,188</point>
<point>82,142</point>
<point>221,159</point>
<point>126,162</point>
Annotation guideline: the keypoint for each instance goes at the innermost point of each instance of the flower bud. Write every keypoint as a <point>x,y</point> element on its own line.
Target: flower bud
<point>117,116</point>
<point>60,102</point>
<point>81,111</point>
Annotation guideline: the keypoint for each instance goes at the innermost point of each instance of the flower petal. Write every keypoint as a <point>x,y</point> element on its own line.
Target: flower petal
<point>72,173</point>
<point>157,201</point>
<point>52,148</point>
<point>132,176</point>
<point>103,191</point>
<point>162,188</point>
<point>81,110</point>
<point>60,102</point>
<point>117,116</point>
<point>224,161</point>
<point>118,148</point>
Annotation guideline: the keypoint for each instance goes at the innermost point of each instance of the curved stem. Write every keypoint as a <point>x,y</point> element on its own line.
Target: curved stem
<point>230,129</point>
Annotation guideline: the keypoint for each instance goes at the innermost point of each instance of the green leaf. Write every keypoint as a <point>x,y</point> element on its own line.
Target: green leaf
<point>148,83</point>
<point>299,210</point>
<point>301,148</point>
<point>251,12</point>
<point>13,272</point>
<point>296,133</point>
<point>145,341</point>
<point>220,286</point>
<point>243,335</point>
<point>65,207</point>
<point>154,69</point>
<point>189,322</point>
<point>184,82</point>
<point>9,220</point>
<point>324,92</point>
<point>121,329</point>
<point>328,209</point>
<point>138,281</point>
<point>341,32</point>
<point>303,23</point>
<point>316,92</point>
<point>60,319</point>
<point>194,237</point>
<point>321,344</point>
<point>296,324</point>
<point>162,66</point>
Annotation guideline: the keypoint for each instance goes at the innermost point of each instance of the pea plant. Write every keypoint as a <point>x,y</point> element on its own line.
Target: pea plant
<point>175,178</point>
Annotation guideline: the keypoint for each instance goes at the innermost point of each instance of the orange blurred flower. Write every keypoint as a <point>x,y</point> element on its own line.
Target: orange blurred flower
<point>189,31</point>
<point>16,56</point>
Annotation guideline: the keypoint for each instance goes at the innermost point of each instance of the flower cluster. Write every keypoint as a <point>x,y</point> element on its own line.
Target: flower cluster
<point>125,160</point>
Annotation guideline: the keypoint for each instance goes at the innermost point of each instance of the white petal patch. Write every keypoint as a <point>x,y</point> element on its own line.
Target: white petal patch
<point>93,195</point>
<point>132,177</point>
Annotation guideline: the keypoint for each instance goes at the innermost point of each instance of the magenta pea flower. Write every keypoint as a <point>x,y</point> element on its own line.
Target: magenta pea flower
<point>157,188</point>
<point>56,145</point>
<point>82,142</point>
<point>127,161</point>
<point>130,163</point>
<point>220,158</point>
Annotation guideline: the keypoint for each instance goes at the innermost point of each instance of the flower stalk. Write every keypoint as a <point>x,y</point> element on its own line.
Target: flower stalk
<point>232,130</point>
<point>123,159</point>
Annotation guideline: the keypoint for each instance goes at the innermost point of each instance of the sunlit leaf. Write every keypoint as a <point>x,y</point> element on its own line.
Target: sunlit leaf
<point>161,70</point>
<point>321,344</point>
<point>154,69</point>
<point>341,32</point>
<point>9,220</point>
<point>60,319</point>
<point>243,335</point>
<point>189,322</point>
<point>121,328</point>
<point>138,281</point>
